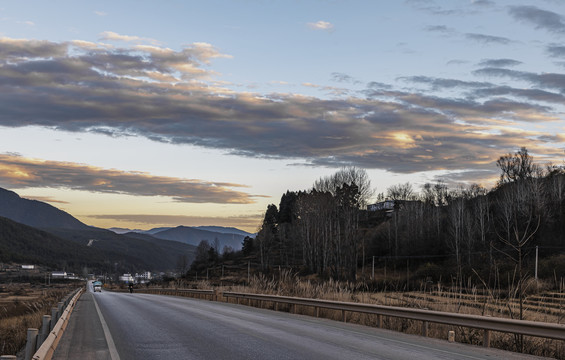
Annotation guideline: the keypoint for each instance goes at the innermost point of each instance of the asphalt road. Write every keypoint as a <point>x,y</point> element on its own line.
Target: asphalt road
<point>141,326</point>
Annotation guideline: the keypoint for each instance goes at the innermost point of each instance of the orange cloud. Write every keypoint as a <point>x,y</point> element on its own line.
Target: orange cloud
<point>20,172</point>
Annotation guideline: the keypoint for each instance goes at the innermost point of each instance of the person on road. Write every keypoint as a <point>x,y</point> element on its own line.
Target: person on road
<point>131,288</point>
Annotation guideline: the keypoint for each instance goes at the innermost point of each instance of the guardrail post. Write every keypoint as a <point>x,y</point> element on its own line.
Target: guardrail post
<point>54,317</point>
<point>379,321</point>
<point>45,328</point>
<point>31,343</point>
<point>486,338</point>
<point>317,311</point>
<point>343,316</point>
<point>425,328</point>
<point>60,309</point>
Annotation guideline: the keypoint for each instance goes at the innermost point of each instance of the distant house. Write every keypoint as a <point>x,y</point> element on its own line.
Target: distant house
<point>143,277</point>
<point>59,274</point>
<point>72,276</point>
<point>127,278</point>
<point>383,205</point>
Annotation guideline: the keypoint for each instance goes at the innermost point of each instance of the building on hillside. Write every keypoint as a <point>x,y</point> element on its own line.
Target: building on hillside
<point>59,275</point>
<point>383,205</point>
<point>393,205</point>
<point>143,277</point>
<point>127,278</point>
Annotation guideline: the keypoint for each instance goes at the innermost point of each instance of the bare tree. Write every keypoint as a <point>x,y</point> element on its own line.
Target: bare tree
<point>318,230</point>
<point>183,264</point>
<point>348,175</point>
<point>216,245</point>
<point>482,216</point>
<point>520,208</point>
<point>517,166</point>
<point>521,221</point>
<point>399,193</point>
<point>402,192</point>
<point>456,217</point>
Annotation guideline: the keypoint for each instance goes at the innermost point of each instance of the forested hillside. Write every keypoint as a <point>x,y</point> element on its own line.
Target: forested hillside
<point>23,244</point>
<point>437,232</point>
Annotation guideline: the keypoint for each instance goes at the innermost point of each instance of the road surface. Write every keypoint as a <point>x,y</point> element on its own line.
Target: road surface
<point>140,326</point>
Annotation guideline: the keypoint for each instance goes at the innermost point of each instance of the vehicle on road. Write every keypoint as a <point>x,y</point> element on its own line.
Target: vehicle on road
<point>97,286</point>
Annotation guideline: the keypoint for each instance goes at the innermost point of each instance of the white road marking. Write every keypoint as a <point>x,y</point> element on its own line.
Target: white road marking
<point>111,346</point>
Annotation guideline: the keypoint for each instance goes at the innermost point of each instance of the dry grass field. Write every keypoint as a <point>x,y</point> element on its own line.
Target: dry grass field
<point>21,307</point>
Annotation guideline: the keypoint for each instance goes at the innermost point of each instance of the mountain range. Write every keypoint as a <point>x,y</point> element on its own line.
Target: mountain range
<point>36,213</point>
<point>193,236</point>
<point>36,232</point>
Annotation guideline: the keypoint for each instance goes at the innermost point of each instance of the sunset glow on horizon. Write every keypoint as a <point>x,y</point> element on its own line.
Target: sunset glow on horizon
<point>146,114</point>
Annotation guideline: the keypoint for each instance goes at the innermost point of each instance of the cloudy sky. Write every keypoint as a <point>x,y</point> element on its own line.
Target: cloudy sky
<point>158,113</point>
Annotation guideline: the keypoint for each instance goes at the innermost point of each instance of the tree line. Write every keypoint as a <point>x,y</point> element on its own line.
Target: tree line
<point>466,231</point>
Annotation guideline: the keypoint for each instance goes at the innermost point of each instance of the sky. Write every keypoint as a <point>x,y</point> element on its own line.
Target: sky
<point>142,114</point>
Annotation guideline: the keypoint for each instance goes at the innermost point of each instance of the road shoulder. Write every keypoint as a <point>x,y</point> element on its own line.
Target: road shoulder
<point>84,337</point>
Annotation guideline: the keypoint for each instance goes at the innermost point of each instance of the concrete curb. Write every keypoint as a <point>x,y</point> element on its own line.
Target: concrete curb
<point>46,350</point>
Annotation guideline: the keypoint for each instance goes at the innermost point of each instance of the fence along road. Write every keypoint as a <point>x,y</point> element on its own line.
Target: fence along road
<point>145,326</point>
<point>533,328</point>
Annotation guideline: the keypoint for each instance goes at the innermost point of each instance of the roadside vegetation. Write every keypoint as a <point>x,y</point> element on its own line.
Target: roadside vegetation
<point>22,306</point>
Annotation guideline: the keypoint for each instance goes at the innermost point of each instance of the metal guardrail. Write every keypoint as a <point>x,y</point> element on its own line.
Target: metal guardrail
<point>212,294</point>
<point>46,344</point>
<point>41,344</point>
<point>486,323</point>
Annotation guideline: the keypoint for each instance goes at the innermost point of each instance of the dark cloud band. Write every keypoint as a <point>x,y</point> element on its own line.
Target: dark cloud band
<point>168,96</point>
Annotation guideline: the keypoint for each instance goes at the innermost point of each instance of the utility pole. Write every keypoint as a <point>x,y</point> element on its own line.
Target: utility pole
<point>373,273</point>
<point>407,275</point>
<point>536,275</point>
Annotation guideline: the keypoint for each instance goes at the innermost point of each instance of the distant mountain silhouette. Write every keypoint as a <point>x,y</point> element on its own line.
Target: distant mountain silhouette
<point>193,236</point>
<point>154,230</point>
<point>97,250</point>
<point>224,230</point>
<point>69,241</point>
<point>36,213</point>
<point>119,230</point>
<point>153,253</point>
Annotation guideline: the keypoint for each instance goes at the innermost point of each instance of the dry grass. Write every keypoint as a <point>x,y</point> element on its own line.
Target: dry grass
<point>543,306</point>
<point>21,307</point>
